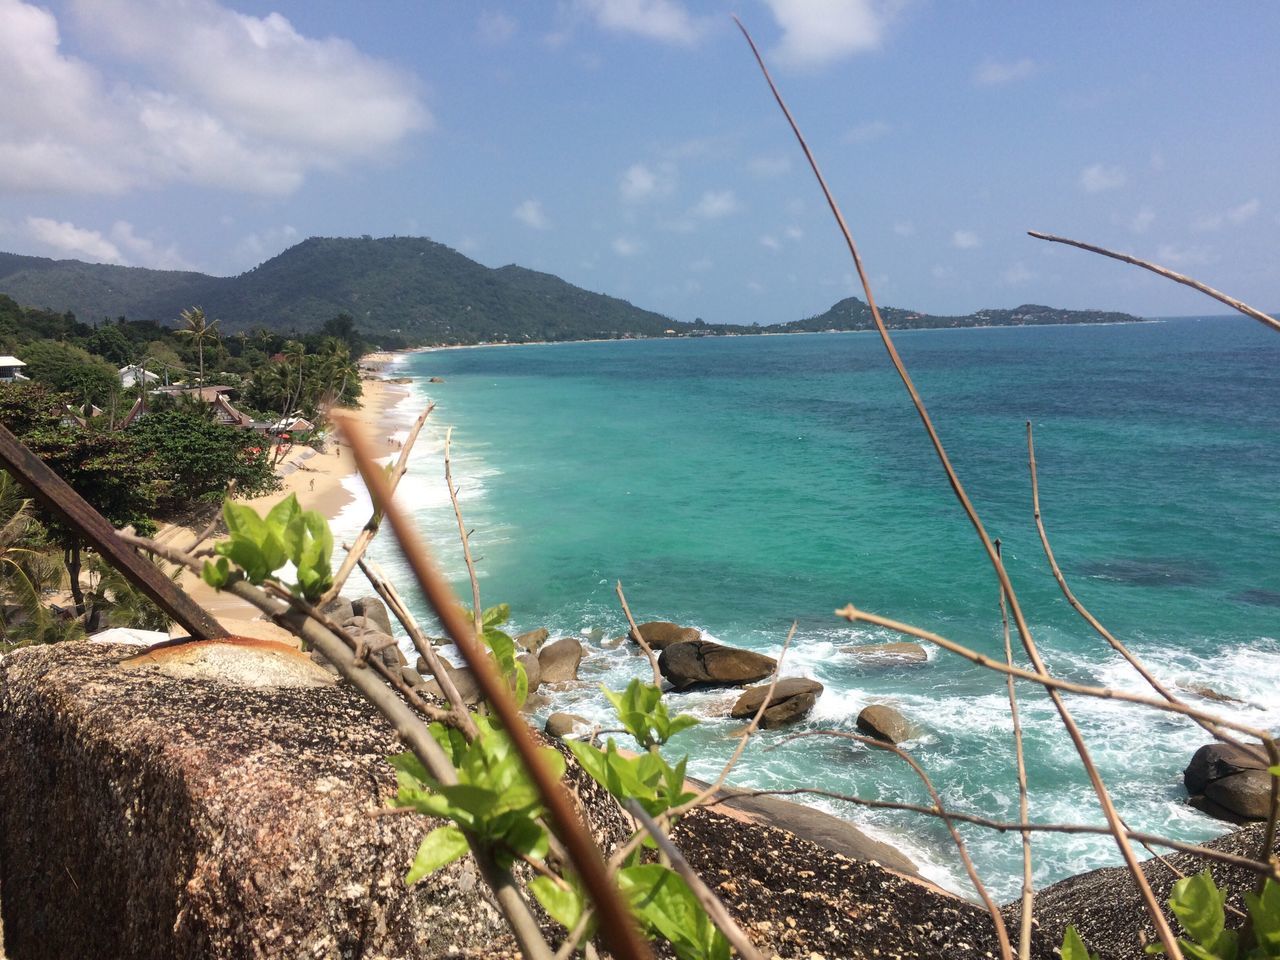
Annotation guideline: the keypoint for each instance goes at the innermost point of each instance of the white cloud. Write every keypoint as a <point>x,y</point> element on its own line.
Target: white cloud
<point>66,239</point>
<point>663,20</point>
<point>257,109</point>
<point>1017,275</point>
<point>1142,220</point>
<point>641,182</point>
<point>1233,217</point>
<point>965,240</point>
<point>261,245</point>
<point>531,214</point>
<point>794,233</point>
<point>755,286</point>
<point>993,73</point>
<point>1171,255</point>
<point>941,271</point>
<point>701,265</point>
<point>1097,178</point>
<point>495,27</point>
<point>715,204</point>
<point>816,32</point>
<point>626,247</point>
<point>904,228</point>
<point>144,252</point>
<point>867,132</point>
<point>770,241</point>
<point>768,166</point>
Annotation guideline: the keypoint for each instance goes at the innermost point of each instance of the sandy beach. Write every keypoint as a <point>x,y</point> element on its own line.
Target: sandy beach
<point>315,477</point>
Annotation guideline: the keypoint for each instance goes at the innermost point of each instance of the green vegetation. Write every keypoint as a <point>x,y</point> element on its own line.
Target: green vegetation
<point>853,314</point>
<point>260,546</point>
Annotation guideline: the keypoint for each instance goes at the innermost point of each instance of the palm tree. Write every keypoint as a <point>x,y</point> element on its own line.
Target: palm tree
<point>200,331</point>
<point>27,574</point>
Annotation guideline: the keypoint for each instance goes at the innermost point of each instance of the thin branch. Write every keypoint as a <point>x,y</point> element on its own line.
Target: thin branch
<point>1162,927</point>
<point>710,902</point>
<point>476,614</point>
<point>1028,889</point>
<point>1002,935</point>
<point>635,632</point>
<point>1168,274</point>
<point>618,927</point>
<point>1009,826</point>
<point>370,529</point>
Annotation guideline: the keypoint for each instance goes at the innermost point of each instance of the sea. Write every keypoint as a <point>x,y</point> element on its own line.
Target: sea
<point>742,484</point>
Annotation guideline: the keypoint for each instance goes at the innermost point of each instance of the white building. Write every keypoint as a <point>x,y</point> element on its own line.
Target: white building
<point>132,374</point>
<point>11,369</point>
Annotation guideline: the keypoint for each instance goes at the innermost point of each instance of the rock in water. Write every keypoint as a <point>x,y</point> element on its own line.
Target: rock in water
<point>887,724</point>
<point>152,816</point>
<point>902,651</point>
<point>660,634</point>
<point>792,700</point>
<point>566,725</point>
<point>373,609</point>
<point>532,670</point>
<point>559,660</point>
<point>702,663</point>
<point>533,640</point>
<point>1228,783</point>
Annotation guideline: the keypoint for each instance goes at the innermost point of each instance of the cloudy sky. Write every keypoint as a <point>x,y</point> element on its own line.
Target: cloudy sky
<point>631,147</point>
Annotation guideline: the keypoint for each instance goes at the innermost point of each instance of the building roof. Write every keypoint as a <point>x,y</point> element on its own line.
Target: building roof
<point>7,361</point>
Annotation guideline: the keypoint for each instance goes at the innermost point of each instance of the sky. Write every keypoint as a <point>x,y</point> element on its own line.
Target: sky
<point>631,146</point>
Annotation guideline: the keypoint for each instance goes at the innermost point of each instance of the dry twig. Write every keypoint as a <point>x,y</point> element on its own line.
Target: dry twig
<point>635,632</point>
<point>465,537</point>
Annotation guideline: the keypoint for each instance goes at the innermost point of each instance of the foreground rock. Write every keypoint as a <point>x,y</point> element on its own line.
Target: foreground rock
<point>1106,908</point>
<point>701,663</point>
<point>884,654</point>
<point>887,724</point>
<point>149,812</point>
<point>566,726</point>
<point>559,661</point>
<point>533,640</point>
<point>792,700</point>
<point>660,634</point>
<point>1228,783</point>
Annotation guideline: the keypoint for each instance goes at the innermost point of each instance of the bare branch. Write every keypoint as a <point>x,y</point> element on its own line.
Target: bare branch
<point>370,529</point>
<point>635,632</point>
<point>617,925</point>
<point>464,536</point>
<point>1168,274</point>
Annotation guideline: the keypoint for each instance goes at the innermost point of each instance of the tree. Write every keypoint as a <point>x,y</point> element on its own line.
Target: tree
<point>110,343</point>
<point>28,571</point>
<point>200,331</point>
<point>65,367</point>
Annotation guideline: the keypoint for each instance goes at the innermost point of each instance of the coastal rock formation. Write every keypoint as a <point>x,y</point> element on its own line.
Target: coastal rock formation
<point>532,670</point>
<point>1228,783</point>
<point>532,640</point>
<point>660,634</point>
<point>887,724</point>
<point>702,663</point>
<point>902,651</point>
<point>148,815</point>
<point>792,700</point>
<point>463,679</point>
<point>374,610</point>
<point>559,660</point>
<point>565,725</point>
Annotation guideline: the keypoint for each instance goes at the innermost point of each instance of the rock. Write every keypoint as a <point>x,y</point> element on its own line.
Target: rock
<point>532,640</point>
<point>463,679</point>
<point>373,609</point>
<point>411,676</point>
<point>702,663</point>
<point>532,670</point>
<point>887,724</point>
<point>1246,794</point>
<point>792,700</point>
<point>535,702</point>
<point>660,634</point>
<point>226,820</point>
<point>567,726</point>
<point>887,653</point>
<point>339,609</point>
<point>434,380</point>
<point>559,660</point>
<point>1213,761</point>
<point>1208,693</point>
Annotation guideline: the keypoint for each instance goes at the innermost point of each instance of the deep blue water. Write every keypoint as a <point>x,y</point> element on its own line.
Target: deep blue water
<point>738,484</point>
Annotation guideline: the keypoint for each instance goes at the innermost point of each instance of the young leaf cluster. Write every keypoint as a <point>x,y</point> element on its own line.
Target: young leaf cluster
<point>503,649</point>
<point>257,547</point>
<point>644,715</point>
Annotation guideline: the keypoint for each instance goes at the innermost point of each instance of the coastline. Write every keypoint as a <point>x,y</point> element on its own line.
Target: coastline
<point>316,478</point>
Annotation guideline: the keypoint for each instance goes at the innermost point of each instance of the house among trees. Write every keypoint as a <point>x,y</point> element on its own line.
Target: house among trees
<point>133,374</point>
<point>11,369</point>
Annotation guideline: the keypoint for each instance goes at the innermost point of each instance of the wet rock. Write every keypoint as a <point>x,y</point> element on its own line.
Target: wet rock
<point>1228,783</point>
<point>702,663</point>
<point>887,724</point>
<point>1208,693</point>
<point>373,609</point>
<point>902,651</point>
<point>535,702</point>
<point>792,700</point>
<point>533,640</point>
<point>1213,761</point>
<point>559,660</point>
<point>660,634</point>
<point>1246,794</point>
<point>566,726</point>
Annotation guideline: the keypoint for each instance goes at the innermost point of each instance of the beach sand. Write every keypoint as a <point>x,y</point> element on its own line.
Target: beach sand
<point>315,477</point>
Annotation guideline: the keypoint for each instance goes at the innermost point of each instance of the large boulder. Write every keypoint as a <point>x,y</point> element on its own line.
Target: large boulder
<point>559,660</point>
<point>565,726</point>
<point>702,663</point>
<point>1228,783</point>
<point>792,700</point>
<point>532,640</point>
<point>887,654</point>
<point>374,610</point>
<point>463,679</point>
<point>887,724</point>
<point>160,806</point>
<point>660,634</point>
<point>532,670</point>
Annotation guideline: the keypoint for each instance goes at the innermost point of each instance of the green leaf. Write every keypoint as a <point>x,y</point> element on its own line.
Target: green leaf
<point>1274,771</point>
<point>1073,947</point>
<point>495,615</point>
<point>440,847</point>
<point>217,574</point>
<point>1264,910</point>
<point>662,900</point>
<point>563,905</point>
<point>1197,903</point>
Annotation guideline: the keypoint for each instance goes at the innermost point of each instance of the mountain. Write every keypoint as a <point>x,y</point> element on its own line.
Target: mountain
<point>411,290</point>
<point>852,314</point>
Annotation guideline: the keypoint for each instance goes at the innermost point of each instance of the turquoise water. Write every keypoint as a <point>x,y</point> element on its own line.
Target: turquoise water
<point>739,484</point>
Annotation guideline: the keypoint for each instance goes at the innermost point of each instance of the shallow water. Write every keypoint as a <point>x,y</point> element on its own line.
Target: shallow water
<point>738,484</point>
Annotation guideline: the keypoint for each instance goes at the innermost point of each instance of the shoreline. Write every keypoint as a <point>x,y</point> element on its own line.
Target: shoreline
<point>316,478</point>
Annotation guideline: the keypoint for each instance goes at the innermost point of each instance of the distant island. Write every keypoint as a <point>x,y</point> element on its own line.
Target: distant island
<point>409,291</point>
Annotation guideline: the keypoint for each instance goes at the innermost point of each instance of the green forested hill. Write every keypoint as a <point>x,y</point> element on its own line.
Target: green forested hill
<point>410,290</point>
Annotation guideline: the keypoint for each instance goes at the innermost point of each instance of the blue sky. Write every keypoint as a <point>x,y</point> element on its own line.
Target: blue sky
<point>631,147</point>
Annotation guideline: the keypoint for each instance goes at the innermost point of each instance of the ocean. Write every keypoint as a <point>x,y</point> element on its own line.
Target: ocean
<point>739,484</point>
